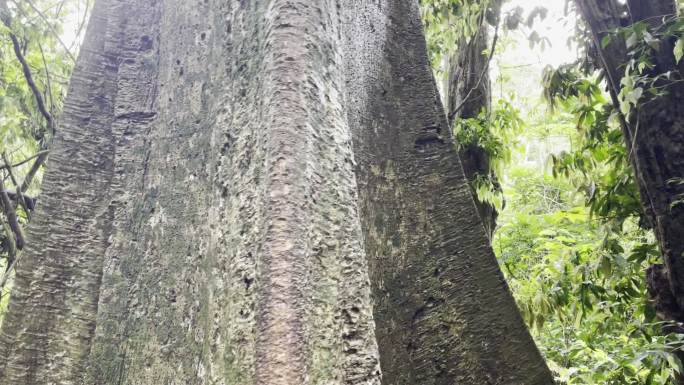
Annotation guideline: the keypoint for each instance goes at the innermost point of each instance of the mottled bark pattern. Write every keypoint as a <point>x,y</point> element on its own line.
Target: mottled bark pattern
<point>204,216</point>
<point>224,227</point>
<point>467,76</point>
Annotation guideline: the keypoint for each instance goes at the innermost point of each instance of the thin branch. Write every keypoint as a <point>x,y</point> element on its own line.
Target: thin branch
<point>453,113</point>
<point>25,67</point>
<point>59,8</point>
<point>47,78</point>
<point>40,160</point>
<point>30,201</point>
<point>52,29</point>
<point>11,216</point>
<point>82,23</point>
<point>34,156</point>
<point>8,271</point>
<point>20,196</point>
<point>40,101</point>
<point>11,244</point>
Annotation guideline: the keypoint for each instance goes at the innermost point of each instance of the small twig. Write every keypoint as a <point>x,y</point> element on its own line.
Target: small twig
<point>7,165</point>
<point>10,266</point>
<point>20,196</point>
<point>634,138</point>
<point>11,245</point>
<point>40,160</point>
<point>81,24</point>
<point>52,29</point>
<point>59,8</point>
<point>453,113</point>
<point>47,79</point>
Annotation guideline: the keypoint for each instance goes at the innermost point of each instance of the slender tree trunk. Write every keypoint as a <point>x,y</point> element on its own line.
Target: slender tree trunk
<point>468,94</point>
<point>654,134</point>
<point>234,185</point>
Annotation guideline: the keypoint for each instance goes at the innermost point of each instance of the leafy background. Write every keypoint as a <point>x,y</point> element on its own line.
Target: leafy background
<point>571,237</point>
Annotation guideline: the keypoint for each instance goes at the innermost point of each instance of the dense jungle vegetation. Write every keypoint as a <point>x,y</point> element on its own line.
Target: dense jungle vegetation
<point>571,235</point>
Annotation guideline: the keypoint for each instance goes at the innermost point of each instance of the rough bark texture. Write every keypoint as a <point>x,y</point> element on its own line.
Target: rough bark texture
<point>443,313</point>
<point>654,134</point>
<point>227,178</point>
<point>468,92</point>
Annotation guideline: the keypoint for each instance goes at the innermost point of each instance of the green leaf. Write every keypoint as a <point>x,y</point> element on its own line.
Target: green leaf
<point>606,41</point>
<point>605,266</point>
<point>632,40</point>
<point>679,50</point>
<point>674,362</point>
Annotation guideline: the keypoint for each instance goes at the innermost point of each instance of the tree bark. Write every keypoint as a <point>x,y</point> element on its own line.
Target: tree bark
<point>443,312</point>
<point>654,134</point>
<point>468,94</point>
<point>234,185</point>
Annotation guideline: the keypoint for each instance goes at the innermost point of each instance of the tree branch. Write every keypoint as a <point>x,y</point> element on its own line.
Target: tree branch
<point>453,113</point>
<point>40,101</point>
<point>47,78</point>
<point>82,23</point>
<point>6,19</point>
<point>11,216</point>
<point>11,245</point>
<point>40,160</point>
<point>52,29</point>
<point>8,270</point>
<point>7,165</point>
<point>30,201</point>
<point>20,196</point>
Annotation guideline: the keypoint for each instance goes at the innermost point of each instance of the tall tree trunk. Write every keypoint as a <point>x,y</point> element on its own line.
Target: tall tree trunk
<point>234,185</point>
<point>468,93</point>
<point>654,134</point>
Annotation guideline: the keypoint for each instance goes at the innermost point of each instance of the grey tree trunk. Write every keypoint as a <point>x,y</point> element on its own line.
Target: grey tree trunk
<point>468,93</point>
<point>259,192</point>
